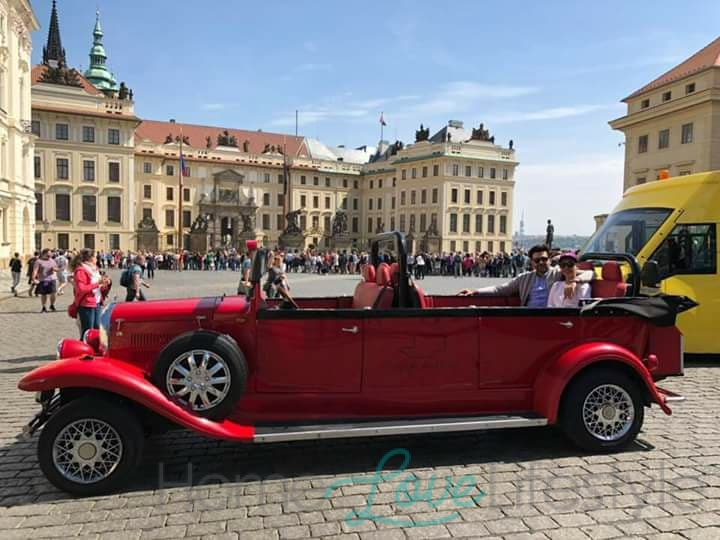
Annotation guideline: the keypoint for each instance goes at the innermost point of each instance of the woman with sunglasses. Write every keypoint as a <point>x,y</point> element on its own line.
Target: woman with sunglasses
<point>567,263</point>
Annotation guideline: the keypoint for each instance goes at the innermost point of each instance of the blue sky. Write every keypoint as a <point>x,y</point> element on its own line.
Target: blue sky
<point>548,75</point>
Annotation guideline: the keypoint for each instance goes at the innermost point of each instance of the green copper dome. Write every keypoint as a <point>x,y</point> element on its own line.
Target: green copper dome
<point>98,73</point>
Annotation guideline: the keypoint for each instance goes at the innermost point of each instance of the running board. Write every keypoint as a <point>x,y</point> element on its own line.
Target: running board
<point>267,434</point>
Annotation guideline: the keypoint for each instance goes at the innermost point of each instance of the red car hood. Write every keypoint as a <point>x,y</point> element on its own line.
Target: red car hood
<point>177,309</point>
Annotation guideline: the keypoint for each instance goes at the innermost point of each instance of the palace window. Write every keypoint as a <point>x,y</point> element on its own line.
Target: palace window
<point>170,194</point>
<point>88,170</point>
<point>187,219</point>
<point>113,136</point>
<point>113,209</point>
<point>413,199</point>
<point>303,180</point>
<point>478,223</point>
<point>113,171</point>
<point>89,241</point>
<point>147,191</point>
<point>436,170</point>
<point>664,139</point>
<point>454,195</point>
<point>147,167</point>
<point>687,134</point>
<point>503,198</point>
<point>645,103</point>
<point>468,170</point>
<point>689,88</point>
<point>114,241</point>
<point>62,166</point>
<point>62,132</point>
<point>35,127</point>
<point>466,223</point>
<point>316,180</point>
<point>266,199</point>
<point>327,203</point>
<point>39,211</point>
<point>642,144</point>
<point>455,169</point>
<point>413,173</point>
<point>424,172</point>
<point>667,96</point>
<point>89,208</point>
<point>492,173</point>
<point>169,218</point>
<point>453,223</point>
<point>169,170</point>
<point>479,197</point>
<point>505,174</point>
<point>88,134</point>
<point>492,198</point>
<point>186,195</point>
<point>503,226</point>
<point>467,196</point>
<point>37,166</point>
<point>316,202</point>
<point>434,195</point>
<point>491,224</point>
<point>423,196</point>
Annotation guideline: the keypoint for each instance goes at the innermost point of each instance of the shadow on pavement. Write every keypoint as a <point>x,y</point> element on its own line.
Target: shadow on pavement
<point>182,459</point>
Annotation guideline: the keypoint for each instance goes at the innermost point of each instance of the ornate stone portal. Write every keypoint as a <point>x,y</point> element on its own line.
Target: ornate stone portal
<point>227,214</point>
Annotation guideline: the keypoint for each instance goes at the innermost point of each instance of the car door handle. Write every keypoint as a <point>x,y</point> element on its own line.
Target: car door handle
<point>566,324</point>
<point>351,330</point>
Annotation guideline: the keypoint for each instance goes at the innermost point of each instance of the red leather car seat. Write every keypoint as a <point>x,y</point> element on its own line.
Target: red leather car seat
<point>367,290</point>
<point>384,283</point>
<point>611,285</point>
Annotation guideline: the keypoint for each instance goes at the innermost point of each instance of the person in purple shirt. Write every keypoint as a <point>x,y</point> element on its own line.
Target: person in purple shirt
<point>45,279</point>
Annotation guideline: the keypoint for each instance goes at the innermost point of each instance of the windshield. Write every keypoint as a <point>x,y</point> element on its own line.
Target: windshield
<point>627,231</point>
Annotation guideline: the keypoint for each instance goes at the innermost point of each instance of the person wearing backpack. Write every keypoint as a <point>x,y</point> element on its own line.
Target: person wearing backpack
<point>132,281</point>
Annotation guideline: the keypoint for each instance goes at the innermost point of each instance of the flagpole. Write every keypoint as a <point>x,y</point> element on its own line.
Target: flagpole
<point>180,205</point>
<point>382,125</point>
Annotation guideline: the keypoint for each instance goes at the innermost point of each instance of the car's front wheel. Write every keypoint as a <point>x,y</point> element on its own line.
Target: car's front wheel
<point>603,410</point>
<point>90,446</point>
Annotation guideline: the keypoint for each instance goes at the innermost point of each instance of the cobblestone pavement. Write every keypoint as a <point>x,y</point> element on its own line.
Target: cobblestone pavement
<point>536,485</point>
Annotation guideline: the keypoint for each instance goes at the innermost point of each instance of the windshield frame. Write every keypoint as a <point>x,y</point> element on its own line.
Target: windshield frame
<point>612,221</point>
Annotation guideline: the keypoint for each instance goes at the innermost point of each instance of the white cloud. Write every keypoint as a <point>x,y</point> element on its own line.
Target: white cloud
<point>570,192</point>
<point>553,113</point>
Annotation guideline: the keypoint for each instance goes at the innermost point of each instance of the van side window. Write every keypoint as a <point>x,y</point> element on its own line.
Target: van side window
<point>689,249</point>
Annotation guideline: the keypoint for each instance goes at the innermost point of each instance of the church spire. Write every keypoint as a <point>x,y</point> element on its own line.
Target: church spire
<point>98,73</point>
<point>53,52</point>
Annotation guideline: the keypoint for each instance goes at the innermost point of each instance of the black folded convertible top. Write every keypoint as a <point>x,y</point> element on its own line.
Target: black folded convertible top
<point>661,310</point>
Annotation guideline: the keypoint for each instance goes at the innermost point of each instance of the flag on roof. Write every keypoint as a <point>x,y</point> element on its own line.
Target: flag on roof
<point>382,120</point>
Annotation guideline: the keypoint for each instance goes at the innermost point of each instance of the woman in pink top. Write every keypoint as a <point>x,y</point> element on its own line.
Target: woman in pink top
<point>88,284</point>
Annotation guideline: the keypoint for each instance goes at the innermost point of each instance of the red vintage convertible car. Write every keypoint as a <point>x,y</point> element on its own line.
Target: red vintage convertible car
<point>388,360</point>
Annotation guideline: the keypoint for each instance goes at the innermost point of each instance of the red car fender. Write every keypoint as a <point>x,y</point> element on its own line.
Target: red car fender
<point>129,381</point>
<point>551,382</point>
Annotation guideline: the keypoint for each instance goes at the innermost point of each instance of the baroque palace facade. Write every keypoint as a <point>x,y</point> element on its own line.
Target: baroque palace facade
<point>17,199</point>
<point>108,180</point>
<point>673,122</point>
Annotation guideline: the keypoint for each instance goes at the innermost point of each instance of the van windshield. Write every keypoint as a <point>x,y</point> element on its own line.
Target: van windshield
<point>627,231</point>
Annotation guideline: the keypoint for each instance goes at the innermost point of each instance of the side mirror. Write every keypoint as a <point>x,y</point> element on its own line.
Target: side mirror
<point>650,275</point>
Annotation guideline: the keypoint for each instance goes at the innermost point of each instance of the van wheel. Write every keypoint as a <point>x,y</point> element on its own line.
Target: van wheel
<point>203,371</point>
<point>90,446</point>
<point>603,410</point>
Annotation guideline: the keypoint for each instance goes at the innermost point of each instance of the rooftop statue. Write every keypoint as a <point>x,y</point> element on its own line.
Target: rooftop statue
<point>423,134</point>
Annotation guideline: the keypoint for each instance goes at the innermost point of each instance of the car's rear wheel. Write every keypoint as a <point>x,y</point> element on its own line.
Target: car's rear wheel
<point>203,371</point>
<point>603,410</point>
<point>90,446</point>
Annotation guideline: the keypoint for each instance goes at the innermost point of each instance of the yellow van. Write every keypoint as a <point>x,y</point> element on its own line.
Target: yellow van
<point>674,222</point>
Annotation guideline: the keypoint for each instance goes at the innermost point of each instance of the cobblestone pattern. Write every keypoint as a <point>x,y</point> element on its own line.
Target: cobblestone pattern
<point>536,485</point>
